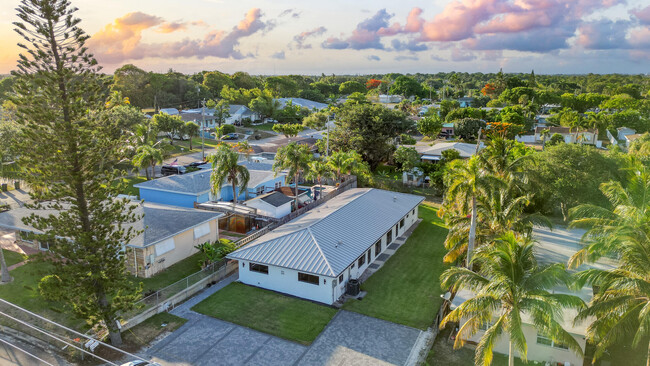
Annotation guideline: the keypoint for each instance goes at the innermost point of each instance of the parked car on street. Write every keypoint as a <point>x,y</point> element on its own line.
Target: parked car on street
<point>172,169</point>
<point>230,136</point>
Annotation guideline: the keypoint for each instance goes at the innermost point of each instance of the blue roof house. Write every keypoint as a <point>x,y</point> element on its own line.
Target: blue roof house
<point>186,189</point>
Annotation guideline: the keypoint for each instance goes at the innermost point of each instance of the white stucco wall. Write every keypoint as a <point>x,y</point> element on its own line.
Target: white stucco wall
<point>286,281</point>
<point>266,209</point>
<point>538,352</point>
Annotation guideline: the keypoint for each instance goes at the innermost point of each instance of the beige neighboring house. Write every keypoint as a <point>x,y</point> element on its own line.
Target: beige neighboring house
<point>555,246</point>
<point>168,234</point>
<point>587,137</point>
<point>630,138</point>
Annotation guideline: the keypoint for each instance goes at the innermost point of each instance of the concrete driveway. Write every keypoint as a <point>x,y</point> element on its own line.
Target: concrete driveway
<point>349,339</point>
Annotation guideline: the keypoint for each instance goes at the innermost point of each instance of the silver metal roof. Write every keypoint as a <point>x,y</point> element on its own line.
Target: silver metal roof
<point>327,239</point>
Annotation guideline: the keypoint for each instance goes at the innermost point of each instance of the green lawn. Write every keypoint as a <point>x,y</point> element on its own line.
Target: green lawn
<point>262,127</point>
<point>23,291</point>
<point>12,258</point>
<point>267,311</point>
<point>131,181</point>
<point>406,290</point>
<point>174,273</point>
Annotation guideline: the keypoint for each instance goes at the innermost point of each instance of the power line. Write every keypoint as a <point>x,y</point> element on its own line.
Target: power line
<point>71,330</point>
<point>25,352</point>
<point>57,338</point>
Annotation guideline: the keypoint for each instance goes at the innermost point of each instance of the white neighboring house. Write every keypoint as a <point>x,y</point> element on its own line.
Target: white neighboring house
<point>170,111</point>
<point>434,152</point>
<point>273,204</point>
<point>586,137</point>
<point>555,246</point>
<point>239,113</point>
<point>314,255</point>
<point>384,98</point>
<point>303,103</point>
<point>624,131</point>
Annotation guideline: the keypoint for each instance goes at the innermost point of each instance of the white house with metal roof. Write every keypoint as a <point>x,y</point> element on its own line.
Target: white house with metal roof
<point>314,255</point>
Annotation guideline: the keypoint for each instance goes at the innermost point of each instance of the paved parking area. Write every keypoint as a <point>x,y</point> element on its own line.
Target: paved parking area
<point>349,339</point>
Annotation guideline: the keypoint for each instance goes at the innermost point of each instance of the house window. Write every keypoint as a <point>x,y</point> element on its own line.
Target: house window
<point>278,185</point>
<point>413,211</point>
<point>304,277</point>
<point>389,236</point>
<point>401,224</point>
<point>27,236</point>
<point>541,339</point>
<point>259,190</point>
<point>369,251</point>
<point>361,260</point>
<point>377,247</point>
<point>341,279</point>
<point>254,267</point>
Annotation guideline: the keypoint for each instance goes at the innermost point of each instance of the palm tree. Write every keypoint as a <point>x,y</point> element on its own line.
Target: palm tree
<point>339,162</point>
<point>317,171</point>
<point>225,169</point>
<point>466,181</point>
<point>621,303</point>
<point>148,156</point>
<point>294,158</point>
<point>509,284</point>
<point>504,159</point>
<point>498,211</point>
<point>191,129</point>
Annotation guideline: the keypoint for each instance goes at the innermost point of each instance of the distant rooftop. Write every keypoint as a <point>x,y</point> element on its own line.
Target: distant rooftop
<point>310,104</point>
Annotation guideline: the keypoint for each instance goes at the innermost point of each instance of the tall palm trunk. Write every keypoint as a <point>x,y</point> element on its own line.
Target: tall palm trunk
<point>472,233</point>
<point>320,187</point>
<point>295,182</point>
<point>647,362</point>
<point>153,169</point>
<point>6,277</point>
<point>511,356</point>
<point>234,193</point>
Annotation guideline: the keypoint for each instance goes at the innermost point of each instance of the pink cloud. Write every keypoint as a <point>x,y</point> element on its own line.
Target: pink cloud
<point>640,38</point>
<point>122,39</point>
<point>457,20</point>
<point>642,14</point>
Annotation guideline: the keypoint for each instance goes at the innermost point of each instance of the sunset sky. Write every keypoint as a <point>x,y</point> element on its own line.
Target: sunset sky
<point>313,37</point>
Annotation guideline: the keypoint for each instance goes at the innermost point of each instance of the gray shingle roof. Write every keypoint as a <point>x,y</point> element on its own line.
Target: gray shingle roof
<point>194,183</point>
<point>159,221</point>
<point>198,182</point>
<point>327,239</point>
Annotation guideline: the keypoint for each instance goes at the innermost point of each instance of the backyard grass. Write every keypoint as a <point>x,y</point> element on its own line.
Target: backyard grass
<point>23,291</point>
<point>174,273</point>
<point>406,290</point>
<point>267,311</point>
<point>12,258</point>
<point>130,182</point>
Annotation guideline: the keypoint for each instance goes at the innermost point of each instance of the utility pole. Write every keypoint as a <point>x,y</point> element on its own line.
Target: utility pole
<point>203,129</point>
<point>472,227</point>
